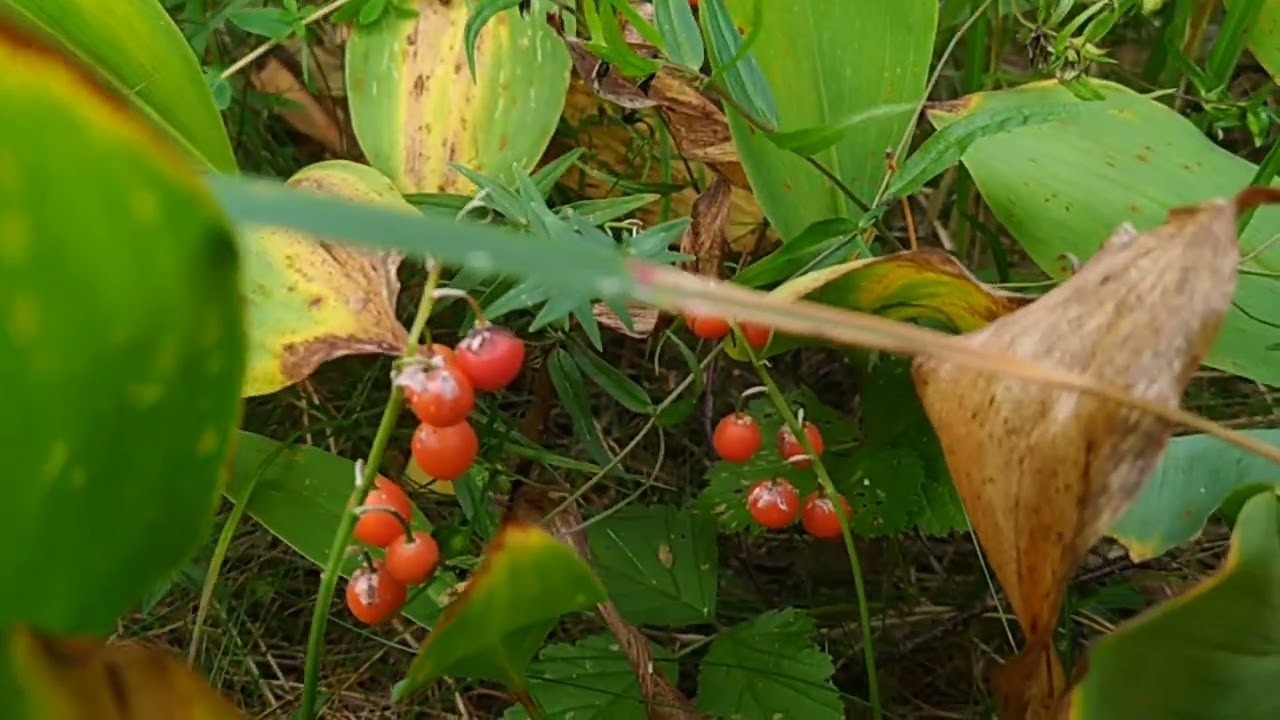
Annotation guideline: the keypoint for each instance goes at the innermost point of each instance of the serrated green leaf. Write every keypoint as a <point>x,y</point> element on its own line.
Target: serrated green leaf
<point>658,563</point>
<point>626,391</point>
<point>589,679</point>
<point>769,668</point>
<point>884,487</point>
<point>681,37</point>
<point>526,581</point>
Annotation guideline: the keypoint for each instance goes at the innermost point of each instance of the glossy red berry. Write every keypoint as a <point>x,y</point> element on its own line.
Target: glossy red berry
<point>789,446</point>
<point>380,528</point>
<point>773,503</point>
<point>412,560</point>
<point>707,327</point>
<point>756,336</point>
<point>491,356</point>
<point>445,453</point>
<point>737,437</point>
<point>440,395</point>
<point>819,516</point>
<point>373,595</point>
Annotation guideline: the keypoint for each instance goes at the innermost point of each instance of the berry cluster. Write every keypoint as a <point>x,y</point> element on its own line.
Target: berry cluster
<point>775,503</point>
<point>709,327</point>
<point>379,588</point>
<point>440,387</point>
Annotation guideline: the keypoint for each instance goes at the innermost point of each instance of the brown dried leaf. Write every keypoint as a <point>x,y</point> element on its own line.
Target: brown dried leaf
<point>311,116</point>
<point>631,153</point>
<point>705,238</point>
<point>643,319</point>
<point>1043,472</point>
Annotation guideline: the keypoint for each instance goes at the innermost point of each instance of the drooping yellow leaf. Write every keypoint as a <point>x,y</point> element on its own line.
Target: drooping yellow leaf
<point>84,679</point>
<point>311,301</point>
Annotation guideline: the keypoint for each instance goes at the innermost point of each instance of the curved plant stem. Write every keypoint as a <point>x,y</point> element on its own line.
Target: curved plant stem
<point>342,537</point>
<point>824,479</point>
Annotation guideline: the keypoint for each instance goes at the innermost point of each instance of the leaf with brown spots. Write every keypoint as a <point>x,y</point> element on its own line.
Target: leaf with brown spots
<point>84,679</point>
<point>1044,472</point>
<point>416,108</point>
<point>311,301</point>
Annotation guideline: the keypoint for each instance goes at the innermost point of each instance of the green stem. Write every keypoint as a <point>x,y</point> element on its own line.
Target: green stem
<point>342,537</point>
<point>824,479</point>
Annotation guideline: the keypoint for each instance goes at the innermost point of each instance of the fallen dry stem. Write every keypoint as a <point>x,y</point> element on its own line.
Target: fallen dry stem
<point>677,291</point>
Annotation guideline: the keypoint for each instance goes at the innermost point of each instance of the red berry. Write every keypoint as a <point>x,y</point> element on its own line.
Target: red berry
<point>439,396</point>
<point>737,437</point>
<point>707,327</point>
<point>380,528</point>
<point>373,595</point>
<point>789,446</point>
<point>819,516</point>
<point>755,335</point>
<point>491,357</point>
<point>412,561</point>
<point>445,453</point>
<point>773,503</point>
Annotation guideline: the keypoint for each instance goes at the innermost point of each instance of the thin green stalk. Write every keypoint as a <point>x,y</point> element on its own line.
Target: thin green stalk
<point>824,479</point>
<point>1267,170</point>
<point>342,538</point>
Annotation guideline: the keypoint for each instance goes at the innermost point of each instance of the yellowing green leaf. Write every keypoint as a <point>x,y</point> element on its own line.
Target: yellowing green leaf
<point>416,108</point>
<point>78,679</point>
<point>525,582</point>
<point>1212,652</point>
<point>311,301</point>
<point>925,285</point>
<point>137,48</point>
<point>120,340</point>
<point>1065,185</point>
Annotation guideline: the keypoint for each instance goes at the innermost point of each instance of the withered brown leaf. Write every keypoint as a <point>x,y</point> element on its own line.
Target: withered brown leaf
<point>1042,471</point>
<point>707,234</point>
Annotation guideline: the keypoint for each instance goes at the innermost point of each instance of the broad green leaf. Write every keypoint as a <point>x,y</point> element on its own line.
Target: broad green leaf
<point>769,668</point>
<point>681,37</point>
<point>1264,41</point>
<point>827,61</point>
<point>658,563</point>
<point>310,301</point>
<point>599,267</point>
<point>137,48</point>
<point>525,582</point>
<point>91,680</point>
<point>1212,652</point>
<point>928,286</point>
<point>732,60</point>
<point>1065,186</point>
<point>1195,475</point>
<point>948,144</point>
<point>120,340</point>
<point>588,680</point>
<point>299,493</point>
<point>416,107</point>
<point>828,242</point>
